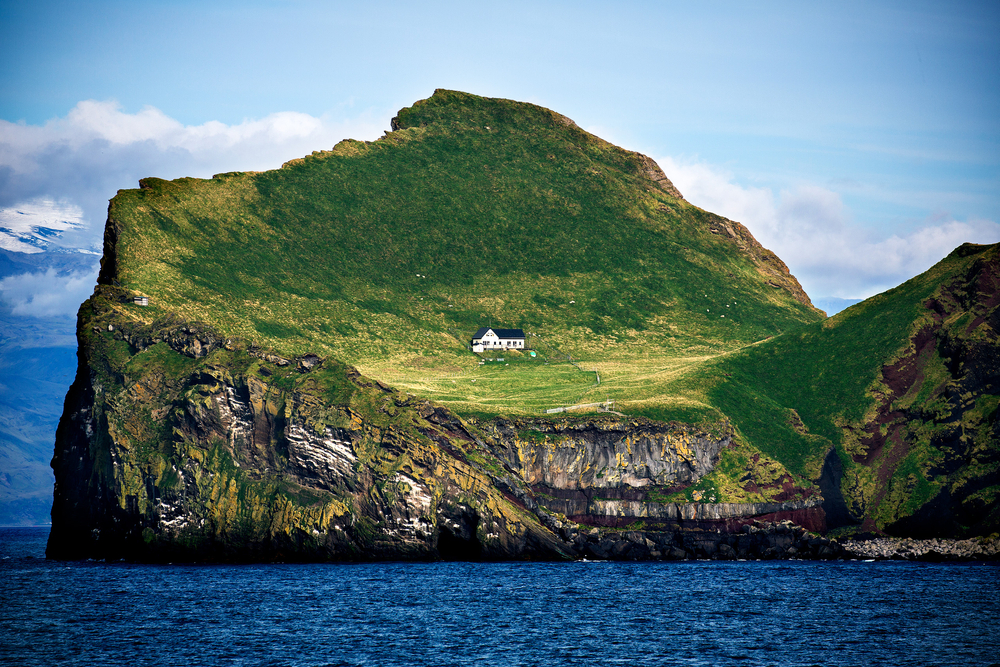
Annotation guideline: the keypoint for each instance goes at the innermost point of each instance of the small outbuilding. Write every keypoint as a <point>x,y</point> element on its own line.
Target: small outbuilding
<point>488,338</point>
<point>140,300</point>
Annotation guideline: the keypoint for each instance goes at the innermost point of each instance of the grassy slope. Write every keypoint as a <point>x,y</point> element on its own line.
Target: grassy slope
<point>829,375</point>
<point>388,255</point>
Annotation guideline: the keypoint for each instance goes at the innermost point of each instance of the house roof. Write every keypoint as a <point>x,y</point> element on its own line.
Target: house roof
<point>502,333</point>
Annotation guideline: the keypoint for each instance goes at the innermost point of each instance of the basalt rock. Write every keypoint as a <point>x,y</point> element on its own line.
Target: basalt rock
<point>226,453</point>
<point>607,453</point>
<point>896,548</point>
<point>755,541</point>
<point>608,471</point>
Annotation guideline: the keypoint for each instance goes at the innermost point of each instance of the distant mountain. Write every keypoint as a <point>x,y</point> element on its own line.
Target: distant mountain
<point>37,365</point>
<point>301,384</point>
<point>35,227</point>
<point>33,385</point>
<point>14,263</point>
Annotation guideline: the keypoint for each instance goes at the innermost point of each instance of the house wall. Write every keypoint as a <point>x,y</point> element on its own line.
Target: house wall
<point>492,341</point>
<point>495,343</point>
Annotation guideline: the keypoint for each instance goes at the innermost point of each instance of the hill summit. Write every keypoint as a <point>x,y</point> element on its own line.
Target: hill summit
<point>278,364</point>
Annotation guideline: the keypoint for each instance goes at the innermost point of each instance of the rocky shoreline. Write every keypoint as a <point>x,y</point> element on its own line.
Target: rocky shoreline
<point>782,540</point>
<point>757,541</point>
<point>935,549</point>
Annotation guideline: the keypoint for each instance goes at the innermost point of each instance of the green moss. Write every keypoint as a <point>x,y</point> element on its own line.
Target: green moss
<point>909,489</point>
<point>703,491</point>
<point>170,479</point>
<point>302,496</point>
<point>533,436</point>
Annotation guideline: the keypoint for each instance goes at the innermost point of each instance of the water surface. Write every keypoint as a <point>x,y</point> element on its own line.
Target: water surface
<point>692,613</point>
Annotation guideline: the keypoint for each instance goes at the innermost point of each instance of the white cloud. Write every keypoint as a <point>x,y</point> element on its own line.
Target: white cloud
<point>812,230</point>
<point>47,294</point>
<point>33,226</point>
<point>271,140</point>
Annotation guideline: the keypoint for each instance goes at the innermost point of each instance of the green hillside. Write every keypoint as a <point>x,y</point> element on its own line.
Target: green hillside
<point>390,254</point>
<point>905,384</point>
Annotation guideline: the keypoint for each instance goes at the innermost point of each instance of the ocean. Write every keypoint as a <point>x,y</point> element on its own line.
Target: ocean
<point>509,614</point>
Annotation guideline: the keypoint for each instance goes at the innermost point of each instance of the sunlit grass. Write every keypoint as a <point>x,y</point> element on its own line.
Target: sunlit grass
<point>388,255</point>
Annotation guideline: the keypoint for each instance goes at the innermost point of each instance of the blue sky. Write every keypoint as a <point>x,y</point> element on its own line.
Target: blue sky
<point>860,141</point>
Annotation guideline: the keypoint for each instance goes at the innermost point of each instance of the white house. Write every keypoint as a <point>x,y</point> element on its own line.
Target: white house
<point>488,338</point>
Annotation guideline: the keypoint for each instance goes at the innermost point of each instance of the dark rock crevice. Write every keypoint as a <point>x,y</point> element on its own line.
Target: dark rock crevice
<point>837,514</point>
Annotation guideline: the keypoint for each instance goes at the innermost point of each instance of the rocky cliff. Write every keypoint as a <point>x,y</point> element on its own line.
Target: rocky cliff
<point>927,454</point>
<point>295,385</point>
<point>617,472</point>
<point>178,443</point>
<point>904,388</point>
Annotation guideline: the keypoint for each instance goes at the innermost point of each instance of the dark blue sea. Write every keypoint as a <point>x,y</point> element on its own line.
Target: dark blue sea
<point>693,613</point>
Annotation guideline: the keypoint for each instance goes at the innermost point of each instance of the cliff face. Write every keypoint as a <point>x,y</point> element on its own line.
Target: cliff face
<point>927,460</point>
<point>178,443</point>
<point>903,388</point>
<point>617,472</point>
<point>608,453</point>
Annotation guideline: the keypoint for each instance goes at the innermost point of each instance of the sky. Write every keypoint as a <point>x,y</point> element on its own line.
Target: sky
<point>860,141</point>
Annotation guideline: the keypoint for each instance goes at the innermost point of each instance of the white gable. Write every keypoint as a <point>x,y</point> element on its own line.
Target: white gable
<point>487,338</point>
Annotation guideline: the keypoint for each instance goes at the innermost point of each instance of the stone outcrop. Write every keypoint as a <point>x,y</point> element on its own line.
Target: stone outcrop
<point>609,471</point>
<point>769,264</point>
<point>179,445</point>
<point>897,548</point>
<point>678,512</point>
<point>656,175</point>
<point>754,541</point>
<point>607,453</point>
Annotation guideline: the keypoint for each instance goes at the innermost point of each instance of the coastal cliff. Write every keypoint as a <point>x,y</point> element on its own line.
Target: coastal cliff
<point>227,452</point>
<point>178,443</point>
<point>615,472</point>
<point>274,366</point>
